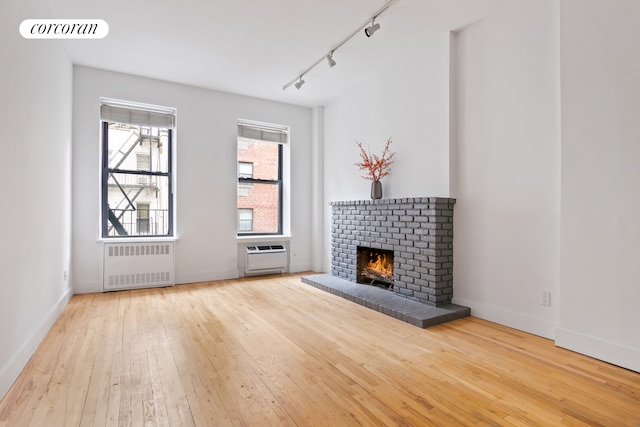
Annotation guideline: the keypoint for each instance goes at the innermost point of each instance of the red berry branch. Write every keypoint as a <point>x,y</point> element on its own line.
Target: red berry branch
<point>376,167</point>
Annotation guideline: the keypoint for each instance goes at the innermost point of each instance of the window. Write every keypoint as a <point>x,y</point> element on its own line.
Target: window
<point>143,218</point>
<point>260,177</point>
<point>137,195</point>
<point>245,220</point>
<point>144,164</point>
<point>245,170</point>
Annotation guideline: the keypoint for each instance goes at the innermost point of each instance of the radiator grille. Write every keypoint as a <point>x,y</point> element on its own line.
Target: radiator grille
<point>138,265</point>
<point>118,280</point>
<point>138,249</point>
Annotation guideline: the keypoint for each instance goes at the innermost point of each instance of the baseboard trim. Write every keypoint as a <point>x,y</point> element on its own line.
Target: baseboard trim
<point>532,325</point>
<point>206,276</point>
<point>597,348</point>
<point>10,372</point>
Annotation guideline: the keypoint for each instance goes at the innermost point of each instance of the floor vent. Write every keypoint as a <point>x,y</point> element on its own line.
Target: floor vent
<point>138,265</point>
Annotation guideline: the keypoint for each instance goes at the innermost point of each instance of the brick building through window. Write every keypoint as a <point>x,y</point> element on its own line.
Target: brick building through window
<point>260,180</point>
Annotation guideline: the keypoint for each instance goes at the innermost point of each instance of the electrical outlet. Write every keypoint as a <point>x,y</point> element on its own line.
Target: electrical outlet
<point>65,275</point>
<point>546,298</point>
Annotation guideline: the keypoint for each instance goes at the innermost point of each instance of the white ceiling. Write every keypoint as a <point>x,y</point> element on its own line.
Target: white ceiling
<point>255,47</point>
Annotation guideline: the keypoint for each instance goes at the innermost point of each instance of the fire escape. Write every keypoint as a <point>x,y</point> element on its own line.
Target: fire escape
<point>134,184</point>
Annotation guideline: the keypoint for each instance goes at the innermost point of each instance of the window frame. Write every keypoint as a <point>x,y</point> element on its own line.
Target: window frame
<point>106,171</point>
<point>279,182</point>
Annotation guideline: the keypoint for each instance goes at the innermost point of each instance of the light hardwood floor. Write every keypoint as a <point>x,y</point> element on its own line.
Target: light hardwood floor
<point>276,352</point>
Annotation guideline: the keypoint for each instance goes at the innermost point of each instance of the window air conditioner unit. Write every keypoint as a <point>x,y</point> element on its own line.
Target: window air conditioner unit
<point>266,259</point>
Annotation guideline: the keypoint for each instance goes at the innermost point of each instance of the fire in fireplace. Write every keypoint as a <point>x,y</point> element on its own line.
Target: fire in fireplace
<point>374,267</point>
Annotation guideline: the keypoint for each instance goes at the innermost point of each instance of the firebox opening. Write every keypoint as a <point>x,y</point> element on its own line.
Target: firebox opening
<point>374,267</point>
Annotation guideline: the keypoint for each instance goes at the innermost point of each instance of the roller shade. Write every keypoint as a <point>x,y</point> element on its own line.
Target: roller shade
<point>136,116</point>
<point>263,132</point>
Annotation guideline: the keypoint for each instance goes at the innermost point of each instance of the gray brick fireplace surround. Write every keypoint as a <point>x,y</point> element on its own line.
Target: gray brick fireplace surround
<point>418,230</point>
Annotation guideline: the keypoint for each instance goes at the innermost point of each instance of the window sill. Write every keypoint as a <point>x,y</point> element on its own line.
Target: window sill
<point>270,237</point>
<point>133,239</point>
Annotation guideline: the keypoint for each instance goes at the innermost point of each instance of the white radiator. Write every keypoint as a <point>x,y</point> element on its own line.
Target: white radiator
<point>138,265</point>
<point>266,259</point>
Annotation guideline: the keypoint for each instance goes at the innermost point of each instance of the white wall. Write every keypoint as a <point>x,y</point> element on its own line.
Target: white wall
<point>504,166</point>
<point>407,101</point>
<point>317,192</point>
<point>35,218</point>
<point>205,173</point>
<point>600,236</point>
<point>545,178</point>
<point>508,158</point>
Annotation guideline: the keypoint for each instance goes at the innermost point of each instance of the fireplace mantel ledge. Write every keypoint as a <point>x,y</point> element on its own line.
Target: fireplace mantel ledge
<point>393,201</point>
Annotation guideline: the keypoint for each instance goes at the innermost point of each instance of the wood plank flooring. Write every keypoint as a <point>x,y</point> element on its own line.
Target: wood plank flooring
<point>276,352</point>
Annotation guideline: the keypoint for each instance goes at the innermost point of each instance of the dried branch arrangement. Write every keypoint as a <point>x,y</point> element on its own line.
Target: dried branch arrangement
<point>376,167</point>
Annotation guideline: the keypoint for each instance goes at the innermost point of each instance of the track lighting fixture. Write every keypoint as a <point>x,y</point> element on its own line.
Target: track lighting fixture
<point>368,30</point>
<point>330,60</point>
<point>372,28</point>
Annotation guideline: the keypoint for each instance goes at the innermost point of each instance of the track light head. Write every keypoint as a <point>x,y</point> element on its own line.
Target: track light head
<point>371,28</point>
<point>299,83</point>
<point>330,60</point>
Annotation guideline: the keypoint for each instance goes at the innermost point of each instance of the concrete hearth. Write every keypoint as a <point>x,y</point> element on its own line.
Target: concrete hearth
<point>387,302</point>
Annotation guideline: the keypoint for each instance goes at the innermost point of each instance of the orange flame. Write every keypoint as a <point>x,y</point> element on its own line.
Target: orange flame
<point>381,266</point>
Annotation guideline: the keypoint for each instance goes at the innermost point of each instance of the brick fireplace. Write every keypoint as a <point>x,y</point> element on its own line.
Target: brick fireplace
<point>418,230</point>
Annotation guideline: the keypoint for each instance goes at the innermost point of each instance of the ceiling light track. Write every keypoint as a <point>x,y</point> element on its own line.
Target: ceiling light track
<point>370,27</point>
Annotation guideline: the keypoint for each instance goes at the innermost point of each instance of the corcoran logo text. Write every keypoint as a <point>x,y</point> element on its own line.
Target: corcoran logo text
<point>64,29</point>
